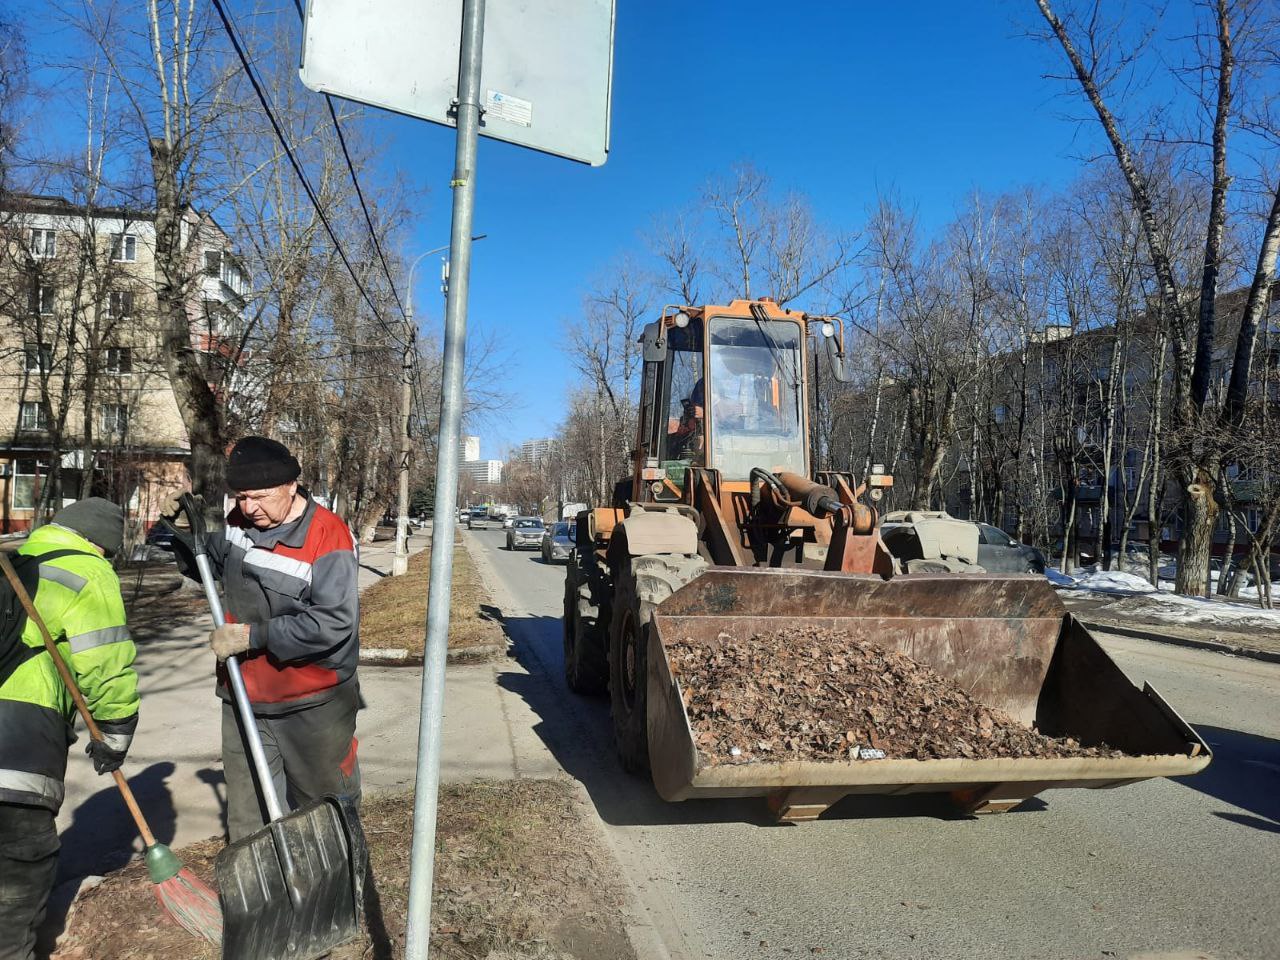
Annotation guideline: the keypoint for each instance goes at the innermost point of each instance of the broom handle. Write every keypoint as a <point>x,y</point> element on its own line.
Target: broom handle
<point>24,598</point>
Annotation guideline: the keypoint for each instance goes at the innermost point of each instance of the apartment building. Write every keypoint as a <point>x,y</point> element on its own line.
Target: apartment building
<point>86,407</point>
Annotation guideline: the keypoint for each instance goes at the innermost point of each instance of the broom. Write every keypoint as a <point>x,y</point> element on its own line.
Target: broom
<point>182,895</point>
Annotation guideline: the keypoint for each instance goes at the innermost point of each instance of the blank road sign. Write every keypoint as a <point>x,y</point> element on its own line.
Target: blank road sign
<point>545,79</point>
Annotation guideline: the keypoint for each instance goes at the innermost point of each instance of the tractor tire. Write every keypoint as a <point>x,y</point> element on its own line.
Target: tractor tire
<point>586,662</point>
<point>642,584</point>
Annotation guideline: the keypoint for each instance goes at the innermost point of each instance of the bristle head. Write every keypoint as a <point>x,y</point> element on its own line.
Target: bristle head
<point>191,903</point>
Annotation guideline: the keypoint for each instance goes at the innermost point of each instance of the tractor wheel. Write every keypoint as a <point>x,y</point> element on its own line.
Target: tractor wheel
<point>643,583</point>
<point>586,665</point>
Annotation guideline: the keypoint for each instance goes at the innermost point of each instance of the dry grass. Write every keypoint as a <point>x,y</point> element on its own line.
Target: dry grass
<point>519,874</point>
<point>393,611</point>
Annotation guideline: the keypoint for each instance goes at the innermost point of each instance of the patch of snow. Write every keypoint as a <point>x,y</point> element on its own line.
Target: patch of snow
<point>1057,578</point>
<point>1200,611</point>
<point>1114,581</point>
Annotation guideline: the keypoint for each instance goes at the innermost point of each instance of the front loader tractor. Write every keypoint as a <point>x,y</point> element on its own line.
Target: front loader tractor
<point>724,525</point>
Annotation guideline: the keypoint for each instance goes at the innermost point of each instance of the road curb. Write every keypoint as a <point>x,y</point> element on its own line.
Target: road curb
<point>399,656</point>
<point>1252,653</point>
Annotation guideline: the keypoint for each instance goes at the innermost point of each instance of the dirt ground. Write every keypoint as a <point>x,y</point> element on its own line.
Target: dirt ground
<point>519,876</point>
<point>156,594</point>
<point>393,611</point>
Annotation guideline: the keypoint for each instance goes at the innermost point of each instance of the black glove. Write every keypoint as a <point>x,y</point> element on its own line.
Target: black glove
<point>104,758</point>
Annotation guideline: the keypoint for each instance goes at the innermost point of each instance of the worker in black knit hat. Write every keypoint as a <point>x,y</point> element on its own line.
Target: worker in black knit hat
<point>288,572</point>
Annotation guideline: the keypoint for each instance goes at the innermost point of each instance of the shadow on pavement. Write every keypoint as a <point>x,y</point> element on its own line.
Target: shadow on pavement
<point>101,835</point>
<point>1245,773</point>
<point>578,732</point>
<point>101,838</point>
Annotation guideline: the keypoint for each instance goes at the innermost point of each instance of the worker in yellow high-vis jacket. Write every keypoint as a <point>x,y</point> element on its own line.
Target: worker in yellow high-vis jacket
<point>78,597</point>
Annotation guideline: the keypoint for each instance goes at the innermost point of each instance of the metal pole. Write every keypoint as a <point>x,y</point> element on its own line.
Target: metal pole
<point>400,566</point>
<point>422,856</point>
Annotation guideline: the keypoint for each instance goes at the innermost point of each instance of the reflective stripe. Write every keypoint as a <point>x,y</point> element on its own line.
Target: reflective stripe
<point>290,567</point>
<point>71,581</point>
<point>258,557</point>
<point>97,638</point>
<point>117,741</point>
<point>36,784</point>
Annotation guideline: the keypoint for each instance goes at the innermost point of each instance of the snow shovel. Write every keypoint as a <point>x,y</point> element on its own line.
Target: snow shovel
<point>292,891</point>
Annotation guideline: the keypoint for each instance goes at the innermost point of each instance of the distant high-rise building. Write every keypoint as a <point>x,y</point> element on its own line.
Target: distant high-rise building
<point>470,449</point>
<point>533,451</point>
<point>481,471</point>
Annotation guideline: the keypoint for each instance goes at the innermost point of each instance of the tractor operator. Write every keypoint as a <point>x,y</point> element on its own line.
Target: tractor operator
<point>289,578</point>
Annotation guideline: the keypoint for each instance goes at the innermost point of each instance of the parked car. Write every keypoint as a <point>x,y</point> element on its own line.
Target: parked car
<point>525,532</point>
<point>557,542</point>
<point>926,541</point>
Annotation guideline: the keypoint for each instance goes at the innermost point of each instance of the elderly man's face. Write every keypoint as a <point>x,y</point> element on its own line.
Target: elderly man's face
<point>267,508</point>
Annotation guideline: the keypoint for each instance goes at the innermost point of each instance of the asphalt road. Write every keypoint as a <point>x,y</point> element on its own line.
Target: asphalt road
<point>1166,868</point>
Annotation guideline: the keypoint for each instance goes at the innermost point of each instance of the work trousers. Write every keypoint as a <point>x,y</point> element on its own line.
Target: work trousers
<point>311,753</point>
<point>28,865</point>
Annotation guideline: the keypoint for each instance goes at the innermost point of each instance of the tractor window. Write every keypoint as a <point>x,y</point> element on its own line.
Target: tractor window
<point>755,387</point>
<point>684,433</point>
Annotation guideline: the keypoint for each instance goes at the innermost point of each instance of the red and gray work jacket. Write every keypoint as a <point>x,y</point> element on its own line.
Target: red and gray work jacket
<point>296,584</point>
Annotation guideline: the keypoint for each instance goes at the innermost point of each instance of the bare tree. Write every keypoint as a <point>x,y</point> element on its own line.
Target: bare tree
<point>1191,313</point>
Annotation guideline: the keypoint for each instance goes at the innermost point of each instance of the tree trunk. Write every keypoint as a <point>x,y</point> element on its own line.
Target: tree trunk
<point>1200,514</point>
<point>202,415</point>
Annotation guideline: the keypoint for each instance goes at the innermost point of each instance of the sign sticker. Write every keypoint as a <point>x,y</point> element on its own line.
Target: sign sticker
<point>503,106</point>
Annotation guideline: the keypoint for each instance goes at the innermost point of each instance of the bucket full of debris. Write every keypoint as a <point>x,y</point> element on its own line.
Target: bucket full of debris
<point>805,686</point>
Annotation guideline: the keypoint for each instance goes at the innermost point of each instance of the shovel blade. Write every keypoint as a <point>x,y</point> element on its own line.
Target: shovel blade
<point>258,894</point>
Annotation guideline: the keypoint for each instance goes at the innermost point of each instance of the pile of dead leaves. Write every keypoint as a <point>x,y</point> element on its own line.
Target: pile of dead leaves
<point>816,694</point>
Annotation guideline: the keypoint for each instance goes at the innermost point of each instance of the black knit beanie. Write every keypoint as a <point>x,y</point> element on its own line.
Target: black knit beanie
<point>97,520</point>
<point>257,463</point>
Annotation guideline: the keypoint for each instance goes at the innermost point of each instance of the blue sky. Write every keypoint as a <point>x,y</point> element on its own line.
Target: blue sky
<point>837,100</point>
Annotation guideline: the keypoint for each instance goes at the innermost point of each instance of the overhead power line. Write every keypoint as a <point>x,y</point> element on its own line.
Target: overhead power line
<point>355,182</point>
<point>234,37</point>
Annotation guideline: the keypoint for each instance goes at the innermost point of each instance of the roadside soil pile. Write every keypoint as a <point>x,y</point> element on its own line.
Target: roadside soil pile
<point>816,694</point>
<point>519,875</point>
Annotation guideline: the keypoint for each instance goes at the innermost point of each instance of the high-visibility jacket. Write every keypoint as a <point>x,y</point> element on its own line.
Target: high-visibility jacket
<point>79,599</point>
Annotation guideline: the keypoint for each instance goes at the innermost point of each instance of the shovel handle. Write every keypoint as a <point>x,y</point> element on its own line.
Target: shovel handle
<point>73,688</point>
<point>248,723</point>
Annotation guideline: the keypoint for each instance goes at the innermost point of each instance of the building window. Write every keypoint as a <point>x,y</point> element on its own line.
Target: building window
<point>114,420</point>
<point>119,360</point>
<point>1253,519</point>
<point>213,263</point>
<point>120,304</point>
<point>124,248</point>
<point>27,481</point>
<point>39,357</point>
<point>44,244</point>
<point>42,296</point>
<point>32,416</point>
<point>1000,413</point>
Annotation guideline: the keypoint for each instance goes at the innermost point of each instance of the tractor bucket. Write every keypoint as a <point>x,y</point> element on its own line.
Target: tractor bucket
<point>293,890</point>
<point>1007,640</point>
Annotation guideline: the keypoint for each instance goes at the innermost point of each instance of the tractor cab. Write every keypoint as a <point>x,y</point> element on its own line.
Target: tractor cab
<point>723,431</point>
<point>724,388</point>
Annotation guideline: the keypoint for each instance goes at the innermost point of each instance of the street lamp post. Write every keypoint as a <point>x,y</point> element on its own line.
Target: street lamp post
<point>401,563</point>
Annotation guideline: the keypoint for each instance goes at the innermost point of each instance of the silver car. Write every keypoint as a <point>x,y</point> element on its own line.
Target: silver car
<point>557,542</point>
<point>525,532</point>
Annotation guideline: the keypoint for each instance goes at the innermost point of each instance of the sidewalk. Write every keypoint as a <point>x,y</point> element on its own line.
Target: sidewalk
<point>175,765</point>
